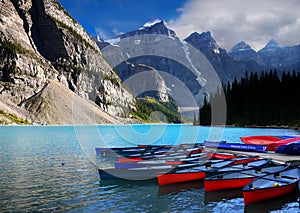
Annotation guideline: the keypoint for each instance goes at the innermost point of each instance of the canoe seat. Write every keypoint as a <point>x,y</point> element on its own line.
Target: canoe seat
<point>245,165</point>
<point>277,175</point>
<point>288,177</point>
<point>258,170</point>
<point>276,184</point>
<point>208,165</point>
<point>251,186</point>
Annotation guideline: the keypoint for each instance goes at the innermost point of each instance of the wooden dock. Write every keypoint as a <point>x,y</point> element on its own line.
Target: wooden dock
<point>280,158</point>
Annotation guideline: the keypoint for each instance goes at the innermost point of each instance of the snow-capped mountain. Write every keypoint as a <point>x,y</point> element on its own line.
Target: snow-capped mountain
<point>243,52</point>
<point>150,23</point>
<point>172,61</point>
<point>228,65</point>
<point>158,27</point>
<point>272,45</point>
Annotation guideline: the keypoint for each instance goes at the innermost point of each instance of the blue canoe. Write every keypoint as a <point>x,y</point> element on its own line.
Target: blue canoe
<point>236,146</point>
<point>290,148</point>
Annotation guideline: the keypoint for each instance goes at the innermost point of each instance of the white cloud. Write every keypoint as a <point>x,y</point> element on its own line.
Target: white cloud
<point>231,21</point>
<point>102,33</point>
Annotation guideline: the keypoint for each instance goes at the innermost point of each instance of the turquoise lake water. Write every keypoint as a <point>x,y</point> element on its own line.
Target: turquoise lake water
<point>51,169</point>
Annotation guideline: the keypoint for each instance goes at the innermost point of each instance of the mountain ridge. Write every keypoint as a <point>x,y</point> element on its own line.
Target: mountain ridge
<point>235,62</point>
<point>228,65</point>
<point>41,44</point>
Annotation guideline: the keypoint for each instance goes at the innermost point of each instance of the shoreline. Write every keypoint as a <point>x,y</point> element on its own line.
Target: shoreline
<point>268,126</point>
<point>140,123</point>
<point>259,126</point>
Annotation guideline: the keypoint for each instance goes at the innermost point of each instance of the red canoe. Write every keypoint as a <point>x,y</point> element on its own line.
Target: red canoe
<point>191,174</point>
<point>260,140</point>
<point>207,169</point>
<point>274,146</point>
<point>271,186</point>
<point>238,179</point>
<point>224,156</point>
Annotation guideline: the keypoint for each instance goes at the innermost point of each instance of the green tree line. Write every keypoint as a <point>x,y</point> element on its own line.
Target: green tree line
<point>260,99</point>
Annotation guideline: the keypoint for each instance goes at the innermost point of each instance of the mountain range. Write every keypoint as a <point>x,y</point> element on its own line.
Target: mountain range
<point>53,72</point>
<point>228,65</point>
<point>166,54</point>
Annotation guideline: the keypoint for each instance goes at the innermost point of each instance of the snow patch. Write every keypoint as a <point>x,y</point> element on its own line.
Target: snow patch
<point>113,41</point>
<point>150,23</point>
<point>137,42</point>
<point>185,48</point>
<point>217,51</point>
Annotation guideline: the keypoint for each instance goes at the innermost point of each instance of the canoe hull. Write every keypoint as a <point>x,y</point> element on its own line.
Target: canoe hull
<point>191,174</point>
<point>141,173</point>
<point>260,139</point>
<point>172,178</point>
<point>126,174</point>
<point>214,185</point>
<point>127,160</point>
<point>289,149</point>
<point>264,139</point>
<point>271,186</point>
<point>268,193</point>
<point>274,146</point>
<point>239,179</point>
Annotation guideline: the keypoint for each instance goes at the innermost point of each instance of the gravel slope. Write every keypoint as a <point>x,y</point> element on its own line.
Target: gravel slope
<point>57,105</point>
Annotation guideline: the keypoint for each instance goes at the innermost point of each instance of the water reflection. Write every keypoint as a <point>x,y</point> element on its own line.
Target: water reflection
<point>217,196</point>
<point>273,204</point>
<point>179,187</point>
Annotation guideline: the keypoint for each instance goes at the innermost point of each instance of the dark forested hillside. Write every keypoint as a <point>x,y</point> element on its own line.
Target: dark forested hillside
<point>261,99</point>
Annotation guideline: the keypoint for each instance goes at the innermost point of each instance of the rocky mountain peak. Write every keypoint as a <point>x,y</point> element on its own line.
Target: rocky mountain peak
<point>279,57</point>
<point>242,51</point>
<point>152,23</point>
<point>204,42</point>
<point>203,37</point>
<point>157,27</point>
<point>271,45</point>
<point>241,46</point>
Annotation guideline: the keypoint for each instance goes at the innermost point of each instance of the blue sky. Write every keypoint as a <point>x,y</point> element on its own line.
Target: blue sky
<point>108,17</point>
<point>230,21</point>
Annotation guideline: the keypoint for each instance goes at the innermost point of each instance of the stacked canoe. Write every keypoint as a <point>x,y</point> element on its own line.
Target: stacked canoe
<point>289,145</point>
<point>258,178</point>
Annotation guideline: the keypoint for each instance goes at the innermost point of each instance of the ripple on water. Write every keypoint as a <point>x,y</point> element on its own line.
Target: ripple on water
<point>34,179</point>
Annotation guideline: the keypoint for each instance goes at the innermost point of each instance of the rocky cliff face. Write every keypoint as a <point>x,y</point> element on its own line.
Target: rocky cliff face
<point>41,41</point>
<point>144,80</point>
<point>154,48</point>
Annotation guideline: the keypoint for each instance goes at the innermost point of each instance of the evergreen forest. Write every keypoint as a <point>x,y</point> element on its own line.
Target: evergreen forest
<point>260,100</point>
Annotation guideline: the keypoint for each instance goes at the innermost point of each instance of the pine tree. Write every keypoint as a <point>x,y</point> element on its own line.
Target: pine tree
<point>195,120</point>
